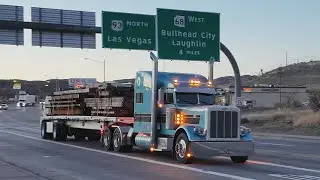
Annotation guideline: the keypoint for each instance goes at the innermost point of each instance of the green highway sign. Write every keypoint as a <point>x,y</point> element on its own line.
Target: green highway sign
<point>128,31</point>
<point>188,35</point>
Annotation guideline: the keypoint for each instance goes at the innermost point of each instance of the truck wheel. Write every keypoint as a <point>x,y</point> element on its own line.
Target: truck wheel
<point>117,141</point>
<point>107,140</point>
<point>56,132</point>
<point>181,148</point>
<point>44,134</point>
<point>239,159</point>
<point>59,132</point>
<point>64,132</point>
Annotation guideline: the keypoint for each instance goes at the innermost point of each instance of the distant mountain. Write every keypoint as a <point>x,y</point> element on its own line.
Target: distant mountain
<point>229,80</point>
<point>296,74</point>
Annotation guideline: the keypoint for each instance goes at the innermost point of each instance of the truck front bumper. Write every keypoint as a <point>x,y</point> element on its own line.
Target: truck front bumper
<point>209,149</point>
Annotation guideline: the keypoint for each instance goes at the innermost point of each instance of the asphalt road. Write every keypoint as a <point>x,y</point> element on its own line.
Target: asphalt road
<point>24,155</point>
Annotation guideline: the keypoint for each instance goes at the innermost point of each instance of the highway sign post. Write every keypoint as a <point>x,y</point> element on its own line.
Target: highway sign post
<point>128,31</point>
<point>188,35</point>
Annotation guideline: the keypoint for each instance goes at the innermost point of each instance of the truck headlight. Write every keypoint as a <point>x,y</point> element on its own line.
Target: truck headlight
<point>244,130</point>
<point>200,131</point>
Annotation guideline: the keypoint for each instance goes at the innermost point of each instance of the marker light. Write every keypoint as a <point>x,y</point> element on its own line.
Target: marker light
<point>160,104</point>
<point>178,119</point>
<point>209,84</point>
<point>175,82</point>
<point>194,83</point>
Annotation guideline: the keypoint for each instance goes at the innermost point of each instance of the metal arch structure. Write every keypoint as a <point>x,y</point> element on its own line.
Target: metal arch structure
<point>235,68</point>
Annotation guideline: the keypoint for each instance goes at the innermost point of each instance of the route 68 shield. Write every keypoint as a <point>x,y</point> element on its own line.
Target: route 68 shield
<point>117,25</point>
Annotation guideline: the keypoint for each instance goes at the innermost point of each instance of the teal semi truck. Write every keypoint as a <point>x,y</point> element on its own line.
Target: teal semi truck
<point>178,115</point>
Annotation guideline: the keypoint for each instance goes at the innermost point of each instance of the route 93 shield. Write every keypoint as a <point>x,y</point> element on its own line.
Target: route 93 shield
<point>117,25</point>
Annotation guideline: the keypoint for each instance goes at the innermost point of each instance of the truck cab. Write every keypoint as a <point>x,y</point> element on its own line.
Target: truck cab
<point>25,99</point>
<point>188,121</point>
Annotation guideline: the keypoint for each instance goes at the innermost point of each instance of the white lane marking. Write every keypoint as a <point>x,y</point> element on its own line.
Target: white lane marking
<point>16,120</point>
<point>276,144</point>
<point>20,128</point>
<point>135,158</point>
<point>278,165</point>
<point>49,156</point>
<point>295,177</point>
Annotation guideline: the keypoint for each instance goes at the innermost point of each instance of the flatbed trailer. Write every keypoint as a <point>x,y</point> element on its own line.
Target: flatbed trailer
<point>59,127</point>
<point>60,120</point>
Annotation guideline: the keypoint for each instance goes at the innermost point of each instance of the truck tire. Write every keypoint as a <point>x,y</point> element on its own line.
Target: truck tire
<point>64,132</point>
<point>117,142</point>
<point>59,132</point>
<point>181,148</point>
<point>44,134</point>
<point>106,140</point>
<point>239,159</point>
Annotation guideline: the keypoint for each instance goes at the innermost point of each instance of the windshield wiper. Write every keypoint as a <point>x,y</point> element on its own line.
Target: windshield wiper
<point>189,102</point>
<point>206,103</point>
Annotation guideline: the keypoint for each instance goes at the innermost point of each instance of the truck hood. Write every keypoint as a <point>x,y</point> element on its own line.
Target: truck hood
<point>201,108</point>
<point>194,108</point>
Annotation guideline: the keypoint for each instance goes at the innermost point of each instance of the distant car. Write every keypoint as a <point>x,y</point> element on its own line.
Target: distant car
<point>3,107</point>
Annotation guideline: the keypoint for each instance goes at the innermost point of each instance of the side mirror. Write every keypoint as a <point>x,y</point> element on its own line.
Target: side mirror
<point>160,101</point>
<point>161,95</point>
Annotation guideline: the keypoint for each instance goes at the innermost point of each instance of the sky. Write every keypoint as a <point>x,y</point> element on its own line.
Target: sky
<point>257,32</point>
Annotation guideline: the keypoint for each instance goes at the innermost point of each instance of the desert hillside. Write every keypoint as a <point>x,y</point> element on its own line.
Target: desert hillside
<point>297,74</point>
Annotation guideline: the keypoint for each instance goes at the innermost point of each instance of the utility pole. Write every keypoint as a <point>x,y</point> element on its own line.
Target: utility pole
<point>280,84</point>
<point>286,58</point>
<point>104,66</point>
<point>57,84</point>
<point>104,70</point>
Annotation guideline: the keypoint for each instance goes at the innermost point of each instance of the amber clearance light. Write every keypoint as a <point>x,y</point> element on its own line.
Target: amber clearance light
<point>178,119</point>
<point>175,82</point>
<point>209,84</point>
<point>194,83</point>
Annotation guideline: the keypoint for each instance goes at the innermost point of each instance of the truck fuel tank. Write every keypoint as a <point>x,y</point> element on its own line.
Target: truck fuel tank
<point>143,140</point>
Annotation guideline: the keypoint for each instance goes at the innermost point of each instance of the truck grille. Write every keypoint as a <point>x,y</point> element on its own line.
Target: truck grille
<point>224,125</point>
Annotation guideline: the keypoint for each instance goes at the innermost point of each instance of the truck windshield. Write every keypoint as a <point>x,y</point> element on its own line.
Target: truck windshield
<point>194,98</point>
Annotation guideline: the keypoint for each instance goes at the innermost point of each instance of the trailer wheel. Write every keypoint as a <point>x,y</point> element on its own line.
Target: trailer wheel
<point>181,148</point>
<point>44,134</point>
<point>64,132</point>
<point>59,132</point>
<point>107,140</point>
<point>239,159</point>
<point>56,132</point>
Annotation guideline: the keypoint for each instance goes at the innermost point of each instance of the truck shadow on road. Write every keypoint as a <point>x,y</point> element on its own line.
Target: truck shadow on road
<point>145,154</point>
